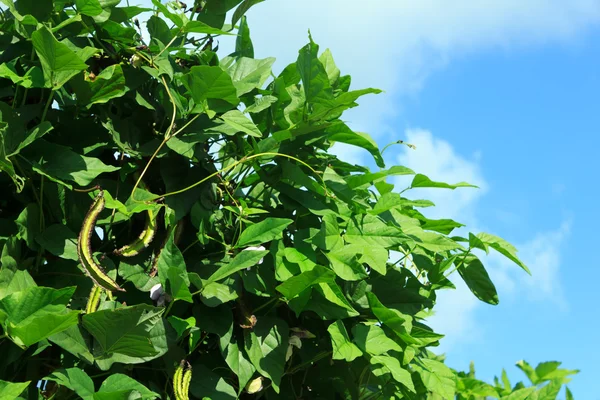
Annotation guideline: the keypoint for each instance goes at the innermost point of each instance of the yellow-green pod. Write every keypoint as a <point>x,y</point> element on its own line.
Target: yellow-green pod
<point>143,240</point>
<point>94,300</point>
<point>185,387</point>
<point>84,247</point>
<point>178,380</point>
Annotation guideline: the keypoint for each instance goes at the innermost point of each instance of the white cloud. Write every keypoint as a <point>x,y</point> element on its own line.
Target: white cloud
<point>437,159</point>
<point>456,310</point>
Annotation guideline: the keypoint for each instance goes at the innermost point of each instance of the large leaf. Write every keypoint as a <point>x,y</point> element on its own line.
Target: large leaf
<point>502,247</point>
<point>172,271</point>
<point>391,365</point>
<point>343,348</point>
<point>36,313</point>
<point>373,340</point>
<point>120,385</point>
<point>135,333</point>
<point>345,264</point>
<point>398,322</point>
<point>12,390</point>
<point>264,231</point>
<point>343,134</point>
<point>60,163</point>
<point>247,74</point>
<point>210,83</point>
<point>60,241</point>
<point>477,279</point>
<point>437,378</point>
<point>59,62</point>
<point>75,379</point>
<point>266,346</point>
<point>292,287</point>
<point>421,181</point>
<point>244,259</point>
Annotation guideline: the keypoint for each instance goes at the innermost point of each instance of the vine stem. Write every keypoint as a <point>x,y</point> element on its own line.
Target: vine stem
<point>243,160</point>
<point>164,141</point>
<point>47,105</point>
<point>457,266</point>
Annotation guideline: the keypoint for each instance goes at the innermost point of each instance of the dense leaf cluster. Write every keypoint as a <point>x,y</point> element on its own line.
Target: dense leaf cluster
<point>232,254</point>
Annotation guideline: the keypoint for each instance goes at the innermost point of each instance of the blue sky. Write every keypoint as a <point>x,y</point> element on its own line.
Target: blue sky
<point>505,95</point>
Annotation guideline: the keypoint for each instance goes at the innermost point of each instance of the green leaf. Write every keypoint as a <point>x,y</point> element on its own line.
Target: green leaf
<point>569,394</point>
<point>214,294</point>
<point>529,371</point>
<point>266,346</point>
<point>36,313</point>
<point>135,333</point>
<point>89,7</point>
<point>261,104</point>
<point>172,271</point>
<point>235,357</point>
<point>345,264</point>
<point>398,322</point>
<point>473,387</point>
<point>12,390</point>
<point>421,181</point>
<point>369,230</point>
<point>59,62</point>
<point>60,241</point>
<point>375,257</point>
<point>343,134</point>
<point>7,166</point>
<point>317,89</point>
<point>242,9</point>
<point>333,72</point>
<point>297,284</point>
<point>14,281</point>
<point>437,378</point>
<point>208,385</point>
<point>28,223</point>
<point>366,180</point>
<point>109,84</point>
<point>373,340</point>
<point>477,279</point>
<point>343,348</point>
<point>391,365</point>
<point>210,83</point>
<point>243,260</point>
<point>201,27</point>
<point>59,163</point>
<point>243,43</point>
<point>329,237</point>
<point>75,379</point>
<point>262,232</point>
<point>247,74</point>
<point>502,247</point>
<point>72,341</point>
<point>138,276</point>
<point>238,122</point>
<point>118,383</point>
<point>520,394</point>
<point>181,325</point>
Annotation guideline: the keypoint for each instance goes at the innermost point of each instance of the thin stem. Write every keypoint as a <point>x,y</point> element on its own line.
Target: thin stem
<point>243,160</point>
<point>274,299</point>
<point>169,44</point>
<point>114,211</point>
<point>47,105</point>
<point>164,141</point>
<point>457,266</point>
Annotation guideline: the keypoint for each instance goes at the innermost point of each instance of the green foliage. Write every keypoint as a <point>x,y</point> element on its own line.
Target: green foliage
<point>271,273</point>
